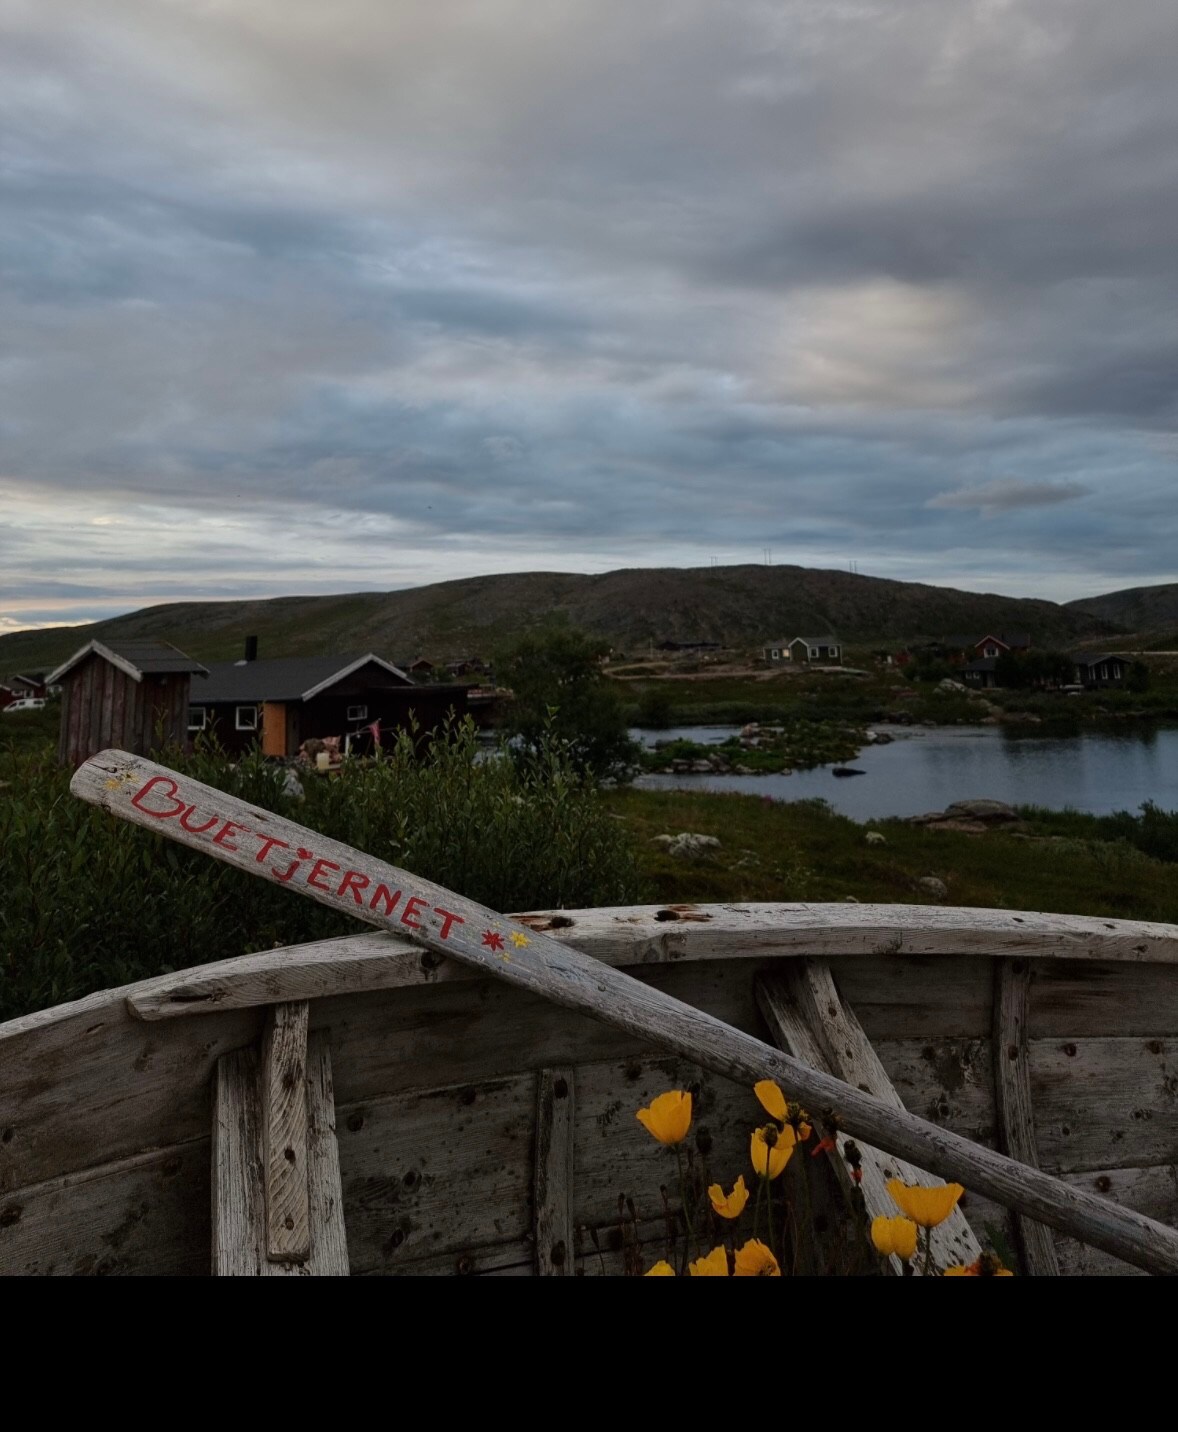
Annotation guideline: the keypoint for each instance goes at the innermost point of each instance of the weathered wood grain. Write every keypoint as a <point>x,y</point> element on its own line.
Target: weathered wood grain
<point>1077,998</point>
<point>239,1196</point>
<point>898,996</point>
<point>85,1085</point>
<point>805,994</point>
<point>392,1042</point>
<point>1153,1191</point>
<point>1105,1102</point>
<point>553,1176</point>
<point>144,1215</point>
<point>240,1243</point>
<point>917,962</point>
<point>148,795</point>
<point>946,1081</point>
<point>439,1175</point>
<point>284,1133</point>
<point>329,1236</point>
<point>1012,1093</point>
<point>501,1260</point>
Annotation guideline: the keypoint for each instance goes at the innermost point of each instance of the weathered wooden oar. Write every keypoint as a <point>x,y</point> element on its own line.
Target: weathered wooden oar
<point>265,844</point>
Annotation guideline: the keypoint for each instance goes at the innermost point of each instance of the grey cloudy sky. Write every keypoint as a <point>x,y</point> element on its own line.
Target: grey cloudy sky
<point>306,296</point>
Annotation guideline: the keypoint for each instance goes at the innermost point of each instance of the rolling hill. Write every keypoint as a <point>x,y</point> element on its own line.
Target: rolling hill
<point>742,606</point>
<point>1150,611</point>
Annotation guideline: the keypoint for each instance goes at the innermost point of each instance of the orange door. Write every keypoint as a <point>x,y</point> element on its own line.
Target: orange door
<point>274,729</point>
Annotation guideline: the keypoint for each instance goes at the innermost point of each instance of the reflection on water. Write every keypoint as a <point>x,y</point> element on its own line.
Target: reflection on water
<point>925,770</point>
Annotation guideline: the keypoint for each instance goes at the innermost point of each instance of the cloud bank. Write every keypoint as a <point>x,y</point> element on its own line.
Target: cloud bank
<point>298,297</point>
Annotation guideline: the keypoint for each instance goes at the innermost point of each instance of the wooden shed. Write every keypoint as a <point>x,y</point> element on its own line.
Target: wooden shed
<point>133,695</point>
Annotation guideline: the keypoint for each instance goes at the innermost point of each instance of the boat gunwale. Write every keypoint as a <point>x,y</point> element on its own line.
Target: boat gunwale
<point>629,936</point>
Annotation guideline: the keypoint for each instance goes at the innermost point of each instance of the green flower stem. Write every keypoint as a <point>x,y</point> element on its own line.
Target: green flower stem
<point>683,1197</point>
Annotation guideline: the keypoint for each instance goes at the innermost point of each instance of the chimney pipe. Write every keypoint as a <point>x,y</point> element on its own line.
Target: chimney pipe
<point>251,648</point>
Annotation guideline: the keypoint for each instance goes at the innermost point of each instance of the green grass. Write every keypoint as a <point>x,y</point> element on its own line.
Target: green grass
<point>885,695</point>
<point>803,850</point>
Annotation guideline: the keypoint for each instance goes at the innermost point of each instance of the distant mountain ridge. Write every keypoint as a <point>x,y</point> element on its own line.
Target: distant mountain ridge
<point>743,606</point>
<point>1139,609</point>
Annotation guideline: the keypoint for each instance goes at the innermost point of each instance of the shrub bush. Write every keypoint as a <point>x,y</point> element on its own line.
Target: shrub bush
<point>88,902</point>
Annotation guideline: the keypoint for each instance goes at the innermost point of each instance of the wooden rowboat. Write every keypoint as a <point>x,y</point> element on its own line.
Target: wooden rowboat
<point>370,1105</point>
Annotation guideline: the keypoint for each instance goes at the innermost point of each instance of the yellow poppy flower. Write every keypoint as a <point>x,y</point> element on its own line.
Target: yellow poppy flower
<point>772,1099</point>
<point>987,1266</point>
<point>771,1149</point>
<point>715,1265</point>
<point>754,1260</point>
<point>894,1235</point>
<point>660,1270</point>
<point>729,1205</point>
<point>926,1206</point>
<point>669,1117</point>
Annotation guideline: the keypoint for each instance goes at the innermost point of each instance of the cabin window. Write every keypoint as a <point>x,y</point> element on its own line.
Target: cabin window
<point>197,718</point>
<point>813,651</point>
<point>357,713</point>
<point>775,654</point>
<point>247,718</point>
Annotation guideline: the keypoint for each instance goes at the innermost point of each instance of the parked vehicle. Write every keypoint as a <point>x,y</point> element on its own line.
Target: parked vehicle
<point>26,703</point>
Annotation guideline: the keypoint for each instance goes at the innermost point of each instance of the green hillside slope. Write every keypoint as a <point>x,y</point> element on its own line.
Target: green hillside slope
<point>737,606</point>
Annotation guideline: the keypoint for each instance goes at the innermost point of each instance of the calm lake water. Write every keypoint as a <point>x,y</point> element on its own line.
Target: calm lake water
<point>923,770</point>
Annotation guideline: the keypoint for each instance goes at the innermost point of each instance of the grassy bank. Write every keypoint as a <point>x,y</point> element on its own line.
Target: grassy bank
<point>882,694</point>
<point>802,850</point>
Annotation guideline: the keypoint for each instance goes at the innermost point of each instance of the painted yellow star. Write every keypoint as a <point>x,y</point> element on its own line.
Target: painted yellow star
<point>518,940</point>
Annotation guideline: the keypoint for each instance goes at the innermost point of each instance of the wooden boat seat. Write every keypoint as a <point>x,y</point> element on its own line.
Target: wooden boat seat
<point>278,1205</point>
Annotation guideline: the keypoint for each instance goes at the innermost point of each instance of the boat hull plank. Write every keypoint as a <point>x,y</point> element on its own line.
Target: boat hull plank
<point>1014,1106</point>
<point>95,1085</point>
<point>148,1214</point>
<point>1107,1102</point>
<point>1082,997</point>
<point>392,1041</point>
<point>433,1177</point>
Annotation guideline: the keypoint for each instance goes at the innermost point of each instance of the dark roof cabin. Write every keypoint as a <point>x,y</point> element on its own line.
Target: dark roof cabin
<point>1102,669</point>
<point>289,700</point>
<point>132,695</point>
<point>983,672</point>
